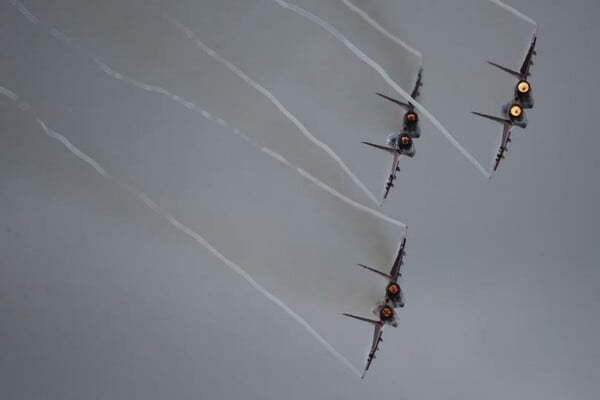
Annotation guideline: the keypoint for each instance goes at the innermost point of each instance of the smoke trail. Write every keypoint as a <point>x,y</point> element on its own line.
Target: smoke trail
<point>24,11</point>
<point>71,147</point>
<point>149,203</point>
<point>5,92</point>
<point>363,14</point>
<point>514,11</point>
<point>221,122</point>
<point>331,190</point>
<point>190,34</point>
<point>325,25</point>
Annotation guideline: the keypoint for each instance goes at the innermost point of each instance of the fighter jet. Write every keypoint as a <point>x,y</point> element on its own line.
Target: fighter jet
<point>401,143</point>
<point>513,111</point>
<point>385,308</point>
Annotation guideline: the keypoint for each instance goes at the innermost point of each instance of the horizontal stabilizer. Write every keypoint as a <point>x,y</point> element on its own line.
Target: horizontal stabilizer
<point>367,320</point>
<point>376,271</point>
<point>385,148</point>
<point>400,103</point>
<point>491,117</point>
<point>510,71</point>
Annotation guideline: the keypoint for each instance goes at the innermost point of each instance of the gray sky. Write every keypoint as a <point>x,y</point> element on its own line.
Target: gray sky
<point>102,297</point>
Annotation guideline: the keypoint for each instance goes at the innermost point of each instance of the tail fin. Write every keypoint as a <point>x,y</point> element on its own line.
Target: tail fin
<point>384,148</point>
<point>367,320</point>
<point>376,271</point>
<point>505,69</point>
<point>400,103</point>
<point>491,117</point>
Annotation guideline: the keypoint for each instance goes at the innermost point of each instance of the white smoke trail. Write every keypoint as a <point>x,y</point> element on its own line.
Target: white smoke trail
<point>325,25</point>
<point>5,92</point>
<point>514,11</point>
<point>24,11</point>
<point>193,235</point>
<point>221,122</point>
<point>331,190</point>
<point>189,105</point>
<point>271,97</point>
<point>73,149</point>
<point>363,14</point>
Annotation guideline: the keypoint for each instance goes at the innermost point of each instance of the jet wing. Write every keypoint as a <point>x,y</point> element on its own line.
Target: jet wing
<point>384,148</point>
<point>396,153</point>
<point>523,72</point>
<point>506,130</point>
<point>415,93</point>
<point>377,338</point>
<point>396,101</point>
<point>390,182</point>
<point>528,57</point>
<point>377,333</point>
<point>395,272</point>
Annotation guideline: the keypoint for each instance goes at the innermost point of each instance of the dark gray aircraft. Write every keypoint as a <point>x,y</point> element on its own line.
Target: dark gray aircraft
<point>513,111</point>
<point>401,143</point>
<point>385,308</point>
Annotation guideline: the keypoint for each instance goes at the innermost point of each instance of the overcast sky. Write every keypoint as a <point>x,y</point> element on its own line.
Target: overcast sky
<point>182,210</point>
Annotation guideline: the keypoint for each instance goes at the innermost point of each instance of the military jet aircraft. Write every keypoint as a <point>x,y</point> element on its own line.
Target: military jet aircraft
<point>400,143</point>
<point>514,110</point>
<point>385,308</point>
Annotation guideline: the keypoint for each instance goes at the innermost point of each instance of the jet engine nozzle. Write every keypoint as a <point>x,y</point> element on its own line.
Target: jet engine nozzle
<point>393,290</point>
<point>515,112</point>
<point>386,313</point>
<point>523,94</point>
<point>411,124</point>
<point>523,87</point>
<point>411,117</point>
<point>405,141</point>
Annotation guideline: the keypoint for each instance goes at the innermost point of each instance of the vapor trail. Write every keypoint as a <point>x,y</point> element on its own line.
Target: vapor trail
<point>149,203</point>
<point>73,149</point>
<point>271,97</point>
<point>363,14</point>
<point>221,122</point>
<point>325,25</point>
<point>24,11</point>
<point>514,11</point>
<point>331,190</point>
<point>5,92</point>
